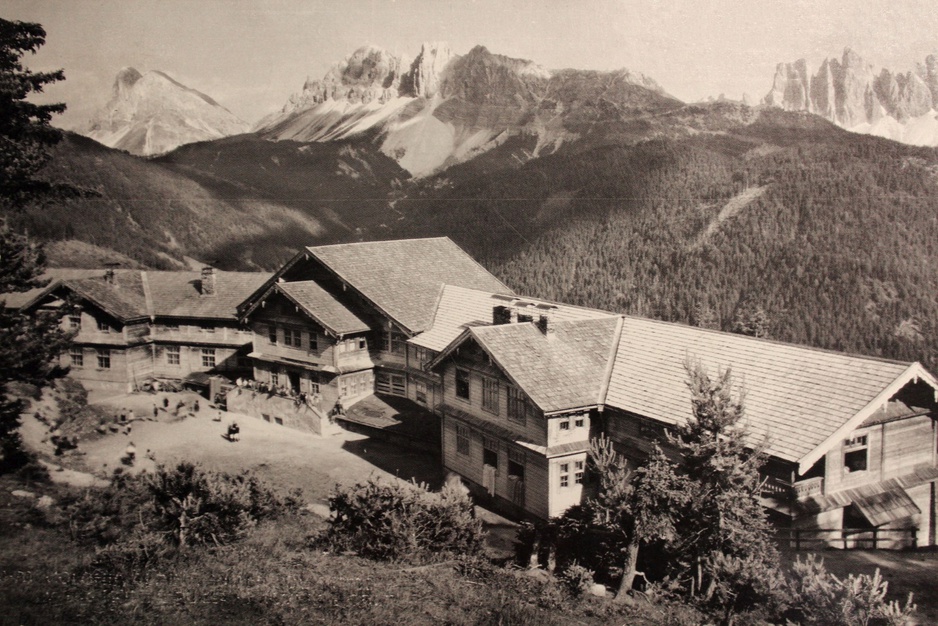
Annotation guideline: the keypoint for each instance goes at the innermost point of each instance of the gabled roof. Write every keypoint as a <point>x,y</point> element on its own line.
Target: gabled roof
<point>135,294</point>
<point>559,370</point>
<point>805,400</point>
<point>18,299</point>
<point>123,297</point>
<point>403,278</point>
<point>179,294</point>
<point>460,308</point>
<point>321,306</point>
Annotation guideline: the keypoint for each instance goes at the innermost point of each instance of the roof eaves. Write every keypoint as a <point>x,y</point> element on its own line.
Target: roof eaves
<point>147,296</point>
<point>250,302</point>
<point>445,352</point>
<point>471,330</point>
<point>331,329</point>
<point>913,372</point>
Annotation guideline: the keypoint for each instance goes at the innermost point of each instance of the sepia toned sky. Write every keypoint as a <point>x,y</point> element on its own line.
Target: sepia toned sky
<point>250,55</point>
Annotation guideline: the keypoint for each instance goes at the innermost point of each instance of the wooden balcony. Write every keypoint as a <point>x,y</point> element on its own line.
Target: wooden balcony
<point>785,490</point>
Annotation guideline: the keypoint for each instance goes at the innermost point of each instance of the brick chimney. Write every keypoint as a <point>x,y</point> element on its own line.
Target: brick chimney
<point>208,281</point>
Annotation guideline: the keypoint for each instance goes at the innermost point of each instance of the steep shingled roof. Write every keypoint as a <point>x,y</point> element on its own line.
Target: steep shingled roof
<point>17,299</point>
<point>134,294</point>
<point>322,307</point>
<point>559,370</point>
<point>460,308</point>
<point>796,395</point>
<point>179,294</point>
<point>403,278</point>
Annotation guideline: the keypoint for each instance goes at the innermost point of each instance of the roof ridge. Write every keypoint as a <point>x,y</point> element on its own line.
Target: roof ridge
<point>611,362</point>
<point>147,296</point>
<point>778,342</point>
<point>380,241</point>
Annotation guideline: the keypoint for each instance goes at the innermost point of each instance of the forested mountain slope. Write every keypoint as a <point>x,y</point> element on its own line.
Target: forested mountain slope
<point>240,202</point>
<point>834,235</point>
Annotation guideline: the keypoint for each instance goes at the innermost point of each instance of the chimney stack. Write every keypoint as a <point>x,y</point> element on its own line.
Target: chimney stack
<point>208,281</point>
<point>544,324</point>
<point>502,314</point>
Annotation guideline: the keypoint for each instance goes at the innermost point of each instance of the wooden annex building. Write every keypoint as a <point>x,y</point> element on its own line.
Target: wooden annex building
<point>520,384</point>
<point>132,325</point>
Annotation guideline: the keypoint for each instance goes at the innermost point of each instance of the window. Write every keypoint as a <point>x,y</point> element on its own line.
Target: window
<point>564,474</point>
<point>578,472</point>
<point>516,463</point>
<point>519,409</point>
<point>393,341</point>
<point>172,355</point>
<point>564,424</point>
<point>855,454</point>
<point>580,422</point>
<point>76,356</point>
<point>266,417</point>
<point>292,338</point>
<point>272,335</point>
<point>462,439</point>
<point>490,395</point>
<point>275,379</point>
<point>313,386</point>
<point>490,452</point>
<point>206,328</point>
<point>313,341</point>
<point>462,383</point>
<point>208,357</point>
<point>104,327</point>
<point>74,321</point>
<point>104,359</point>
<point>421,392</point>
<point>278,421</point>
<point>421,357</point>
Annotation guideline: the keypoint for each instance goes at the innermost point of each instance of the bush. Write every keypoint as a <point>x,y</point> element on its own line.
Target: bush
<point>577,578</point>
<point>819,597</point>
<point>398,521</point>
<point>185,504</point>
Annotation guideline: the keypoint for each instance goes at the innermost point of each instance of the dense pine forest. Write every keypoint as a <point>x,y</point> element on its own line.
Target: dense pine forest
<point>833,236</point>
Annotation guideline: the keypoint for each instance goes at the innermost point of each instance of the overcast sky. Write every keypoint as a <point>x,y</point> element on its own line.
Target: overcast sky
<point>250,55</point>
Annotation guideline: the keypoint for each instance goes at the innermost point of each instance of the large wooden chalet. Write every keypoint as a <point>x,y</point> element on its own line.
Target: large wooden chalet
<point>132,325</point>
<point>522,384</point>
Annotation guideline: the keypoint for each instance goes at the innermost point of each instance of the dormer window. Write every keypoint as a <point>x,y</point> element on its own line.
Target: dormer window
<point>856,453</point>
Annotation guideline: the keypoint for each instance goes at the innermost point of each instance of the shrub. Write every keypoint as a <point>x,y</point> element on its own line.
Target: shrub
<point>819,597</point>
<point>185,504</point>
<point>398,521</point>
<point>577,578</point>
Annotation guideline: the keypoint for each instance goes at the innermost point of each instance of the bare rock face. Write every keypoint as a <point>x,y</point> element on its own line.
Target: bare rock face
<point>369,74</point>
<point>443,108</point>
<point>849,93</point>
<point>151,114</point>
<point>427,69</point>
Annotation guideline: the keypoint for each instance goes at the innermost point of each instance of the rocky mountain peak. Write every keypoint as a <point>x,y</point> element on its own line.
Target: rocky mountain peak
<point>151,113</point>
<point>427,69</point>
<point>852,94</point>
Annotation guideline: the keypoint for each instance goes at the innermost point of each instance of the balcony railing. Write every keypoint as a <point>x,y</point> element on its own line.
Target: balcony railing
<point>779,488</point>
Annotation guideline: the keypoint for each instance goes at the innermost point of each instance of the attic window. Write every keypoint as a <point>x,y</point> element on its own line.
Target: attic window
<point>74,321</point>
<point>856,454</point>
<point>104,327</point>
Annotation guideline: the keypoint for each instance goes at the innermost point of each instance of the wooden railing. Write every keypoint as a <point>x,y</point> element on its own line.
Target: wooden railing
<point>778,488</point>
<point>853,538</point>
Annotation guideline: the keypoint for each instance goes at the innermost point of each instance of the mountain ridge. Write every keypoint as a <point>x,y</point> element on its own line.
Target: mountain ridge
<point>151,113</point>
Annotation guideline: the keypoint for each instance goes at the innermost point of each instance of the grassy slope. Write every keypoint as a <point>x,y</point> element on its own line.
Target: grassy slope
<point>274,576</point>
<point>240,202</point>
